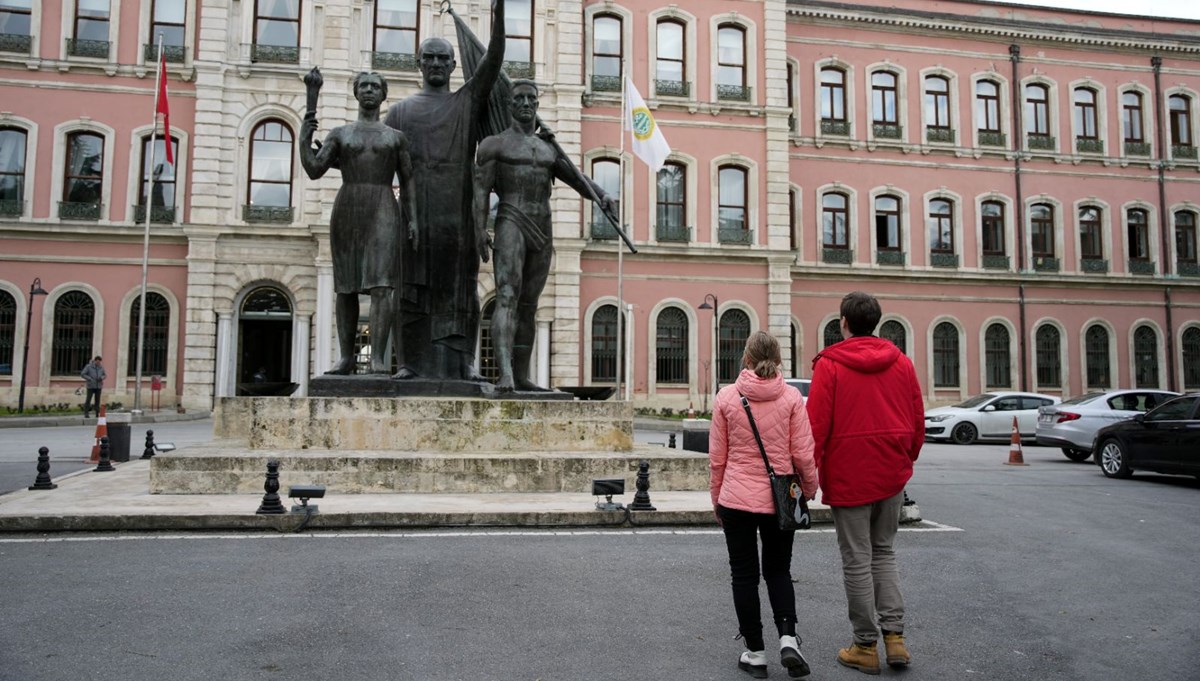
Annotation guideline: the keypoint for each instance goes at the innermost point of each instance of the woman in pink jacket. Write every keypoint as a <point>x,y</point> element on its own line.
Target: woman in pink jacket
<point>742,500</point>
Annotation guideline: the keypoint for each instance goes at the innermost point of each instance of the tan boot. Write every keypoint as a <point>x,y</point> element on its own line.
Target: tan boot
<point>897,652</point>
<point>864,658</point>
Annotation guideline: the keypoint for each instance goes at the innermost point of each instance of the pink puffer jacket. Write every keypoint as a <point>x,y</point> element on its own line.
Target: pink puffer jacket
<point>738,479</point>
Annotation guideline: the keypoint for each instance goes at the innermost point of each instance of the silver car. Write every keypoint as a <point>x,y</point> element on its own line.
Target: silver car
<point>1072,425</point>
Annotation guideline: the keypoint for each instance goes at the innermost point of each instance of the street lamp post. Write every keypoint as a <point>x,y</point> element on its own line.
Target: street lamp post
<point>35,289</point>
<point>714,306</point>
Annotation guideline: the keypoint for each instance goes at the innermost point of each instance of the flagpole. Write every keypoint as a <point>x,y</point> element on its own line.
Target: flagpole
<point>141,339</point>
<point>621,251</point>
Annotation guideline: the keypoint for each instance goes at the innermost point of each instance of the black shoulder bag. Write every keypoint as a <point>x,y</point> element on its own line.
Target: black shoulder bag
<point>791,510</point>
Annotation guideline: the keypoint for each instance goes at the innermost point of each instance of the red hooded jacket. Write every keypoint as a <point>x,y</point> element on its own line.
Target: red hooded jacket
<point>868,420</point>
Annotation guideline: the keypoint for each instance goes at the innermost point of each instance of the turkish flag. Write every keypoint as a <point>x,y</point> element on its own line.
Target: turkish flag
<point>163,108</point>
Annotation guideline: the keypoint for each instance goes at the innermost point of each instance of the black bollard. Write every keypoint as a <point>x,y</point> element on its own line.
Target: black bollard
<point>641,500</point>
<point>43,469</point>
<point>671,441</point>
<point>271,504</point>
<point>148,452</point>
<point>105,458</point>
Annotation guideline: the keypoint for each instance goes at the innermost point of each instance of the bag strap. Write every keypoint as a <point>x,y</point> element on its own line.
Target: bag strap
<point>757,438</point>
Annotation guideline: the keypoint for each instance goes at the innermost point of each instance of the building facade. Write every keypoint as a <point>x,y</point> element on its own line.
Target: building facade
<point>1019,187</point>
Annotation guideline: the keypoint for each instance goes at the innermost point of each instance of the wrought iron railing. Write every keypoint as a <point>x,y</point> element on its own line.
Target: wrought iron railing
<point>995,262</point>
<point>519,69</point>
<point>15,42</point>
<point>672,88</point>
<point>991,138</point>
<point>1093,265</point>
<point>1187,269</point>
<point>939,135</point>
<point>11,209</point>
<point>1088,145</point>
<point>394,61</point>
<point>270,214</point>
<point>673,233</point>
<point>837,256</point>
<point>274,54</point>
<point>1043,263</point>
<point>172,53</point>
<point>1137,148</point>
<point>733,235</point>
<point>158,214</point>
<point>1040,142</point>
<point>73,210</point>
<point>890,131</point>
<point>889,257</point>
<point>831,127</point>
<point>97,49</point>
<point>1141,267</point>
<point>943,259</point>
<point>733,93</point>
<point>606,83</point>
<point>1183,151</point>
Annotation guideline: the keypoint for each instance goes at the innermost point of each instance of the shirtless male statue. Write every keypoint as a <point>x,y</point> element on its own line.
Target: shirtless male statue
<point>520,166</point>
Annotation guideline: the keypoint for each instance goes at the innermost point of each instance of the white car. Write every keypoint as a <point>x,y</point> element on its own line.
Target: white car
<point>987,417</point>
<point>1072,425</point>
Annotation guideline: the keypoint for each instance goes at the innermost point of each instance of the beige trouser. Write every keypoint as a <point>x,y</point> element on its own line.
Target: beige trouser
<point>865,535</point>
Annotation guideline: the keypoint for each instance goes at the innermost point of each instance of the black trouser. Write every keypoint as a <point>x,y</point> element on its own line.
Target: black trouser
<point>742,530</point>
<point>92,398</point>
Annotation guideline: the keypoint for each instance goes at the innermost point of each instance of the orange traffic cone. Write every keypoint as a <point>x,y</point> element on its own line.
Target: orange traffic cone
<point>101,431</point>
<point>691,412</point>
<point>1015,456</point>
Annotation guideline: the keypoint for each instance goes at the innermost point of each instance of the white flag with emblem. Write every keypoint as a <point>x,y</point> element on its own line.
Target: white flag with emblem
<point>648,141</point>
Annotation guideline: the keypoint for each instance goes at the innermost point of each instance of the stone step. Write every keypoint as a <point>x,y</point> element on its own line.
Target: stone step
<point>242,470</point>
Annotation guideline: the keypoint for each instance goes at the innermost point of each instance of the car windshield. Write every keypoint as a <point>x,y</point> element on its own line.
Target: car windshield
<point>1082,399</point>
<point>975,401</point>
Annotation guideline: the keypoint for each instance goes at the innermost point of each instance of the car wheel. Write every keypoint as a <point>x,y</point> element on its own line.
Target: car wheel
<point>1113,462</point>
<point>964,434</point>
<point>1076,454</point>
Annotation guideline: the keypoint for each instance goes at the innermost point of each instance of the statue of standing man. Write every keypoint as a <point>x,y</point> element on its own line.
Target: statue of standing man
<point>437,298</point>
<point>520,165</point>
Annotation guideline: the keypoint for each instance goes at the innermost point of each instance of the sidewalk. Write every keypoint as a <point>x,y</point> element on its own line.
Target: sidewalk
<point>52,420</point>
<point>120,501</point>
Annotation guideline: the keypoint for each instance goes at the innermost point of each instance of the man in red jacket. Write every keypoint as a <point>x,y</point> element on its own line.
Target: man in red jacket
<point>868,424</point>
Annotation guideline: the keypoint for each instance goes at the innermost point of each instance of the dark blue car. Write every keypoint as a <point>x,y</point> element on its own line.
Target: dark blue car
<point>1165,439</point>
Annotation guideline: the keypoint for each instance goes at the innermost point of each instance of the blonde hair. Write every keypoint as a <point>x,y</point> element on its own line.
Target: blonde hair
<point>762,355</point>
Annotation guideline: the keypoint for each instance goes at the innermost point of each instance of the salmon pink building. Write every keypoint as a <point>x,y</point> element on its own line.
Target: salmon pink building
<point>1018,186</point>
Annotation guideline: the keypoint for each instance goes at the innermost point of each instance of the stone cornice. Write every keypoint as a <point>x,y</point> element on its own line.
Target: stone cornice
<point>998,28</point>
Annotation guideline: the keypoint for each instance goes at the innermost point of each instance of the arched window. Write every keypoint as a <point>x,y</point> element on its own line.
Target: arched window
<point>604,344</point>
<point>732,332</point>
<point>731,63</point>
<point>276,31</point>
<point>887,223</point>
<point>606,53</point>
<point>670,69</point>
<point>74,318</point>
<point>83,177</point>
<point>834,222</point>
<point>269,193</point>
<point>518,43</point>
<point>1086,134</point>
<point>12,171</point>
<point>168,18</point>
<point>987,113</point>
<point>1049,361</point>
<point>671,209</point>
<point>161,193</point>
<point>893,331</point>
<point>487,346</point>
<point>1180,107</point>
<point>992,222</point>
<point>941,226</point>
<point>397,27</point>
<point>1132,126</point>
<point>1145,357</point>
<point>1091,240</point>
<point>945,356</point>
<point>1137,226</point>
<point>266,302</point>
<point>937,109</point>
<point>606,172</point>
<point>732,225</point>
<point>1095,341</point>
<point>8,331</point>
<point>833,102</point>
<point>1191,358</point>
<point>832,333</point>
<point>884,110</point>
<point>1185,236</point>
<point>1041,230</point>
<point>998,369</point>
<point>1037,116</point>
<point>157,336</point>
<point>671,346</point>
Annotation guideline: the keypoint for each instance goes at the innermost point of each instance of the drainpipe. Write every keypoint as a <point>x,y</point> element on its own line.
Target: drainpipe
<point>1014,54</point>
<point>1163,221</point>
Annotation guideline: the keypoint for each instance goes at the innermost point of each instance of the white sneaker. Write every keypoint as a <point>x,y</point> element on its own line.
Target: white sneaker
<point>790,657</point>
<point>754,663</point>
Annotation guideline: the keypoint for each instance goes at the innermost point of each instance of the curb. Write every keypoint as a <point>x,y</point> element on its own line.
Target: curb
<point>76,420</point>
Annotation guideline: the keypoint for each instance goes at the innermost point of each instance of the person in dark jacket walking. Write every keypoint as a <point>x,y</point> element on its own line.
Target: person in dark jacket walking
<point>868,423</point>
<point>744,505</point>
<point>94,375</point>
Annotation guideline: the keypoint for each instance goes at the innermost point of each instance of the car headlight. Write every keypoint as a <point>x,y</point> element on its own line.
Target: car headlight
<point>938,418</point>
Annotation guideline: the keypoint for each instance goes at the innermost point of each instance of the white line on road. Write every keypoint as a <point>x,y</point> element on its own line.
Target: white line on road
<point>927,526</point>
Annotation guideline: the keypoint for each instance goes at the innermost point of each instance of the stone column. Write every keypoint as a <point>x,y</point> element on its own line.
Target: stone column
<point>543,354</point>
<point>323,325</point>
<point>300,328</point>
<point>225,362</point>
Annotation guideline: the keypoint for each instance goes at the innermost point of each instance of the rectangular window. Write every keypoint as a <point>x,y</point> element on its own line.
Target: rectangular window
<point>1037,111</point>
<point>670,67</point>
<point>833,95</point>
<point>834,213</point>
<point>15,18</point>
<point>12,171</point>
<point>1131,120</point>
<point>606,52</point>
<point>672,202</point>
<point>1091,243</point>
<point>993,228</point>
<point>1041,232</point>
<point>941,226</point>
<point>937,103</point>
<point>887,223</point>
<point>83,181</point>
<point>277,31</point>
<point>1085,114</point>
<point>518,26</point>
<point>167,19</point>
<point>731,202</point>
<point>1185,237</point>
<point>883,98</point>
<point>987,106</point>
<point>396,27</point>
<point>1139,235</point>
<point>91,20</point>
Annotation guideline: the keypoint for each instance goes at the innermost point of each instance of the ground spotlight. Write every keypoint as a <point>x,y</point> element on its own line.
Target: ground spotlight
<point>607,488</point>
<point>304,493</point>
